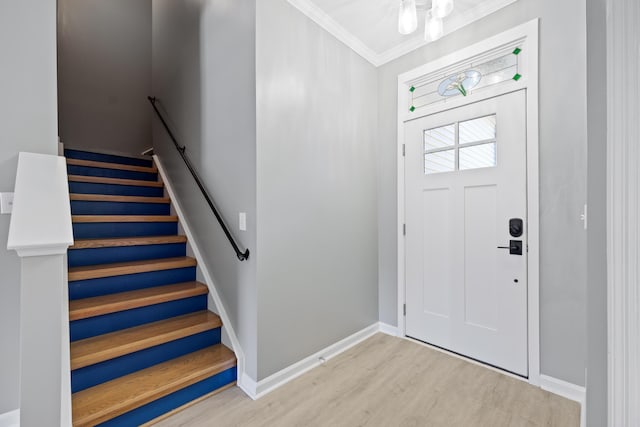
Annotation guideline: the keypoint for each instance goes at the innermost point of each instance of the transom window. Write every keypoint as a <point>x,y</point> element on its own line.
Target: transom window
<point>459,146</point>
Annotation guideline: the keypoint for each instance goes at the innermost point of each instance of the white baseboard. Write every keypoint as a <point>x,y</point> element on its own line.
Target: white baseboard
<point>10,419</point>
<point>562,388</point>
<point>256,390</point>
<point>385,328</point>
<point>570,391</point>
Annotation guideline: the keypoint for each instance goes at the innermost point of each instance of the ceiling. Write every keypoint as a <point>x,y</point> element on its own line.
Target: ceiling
<point>370,27</point>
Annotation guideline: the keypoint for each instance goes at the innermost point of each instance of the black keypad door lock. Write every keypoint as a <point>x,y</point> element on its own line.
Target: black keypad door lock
<point>515,247</point>
<point>516,227</point>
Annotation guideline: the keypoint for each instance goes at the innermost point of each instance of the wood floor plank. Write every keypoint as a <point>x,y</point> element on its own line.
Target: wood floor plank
<point>114,242</point>
<point>115,181</point>
<point>105,401</point>
<point>97,349</point>
<point>131,267</point>
<point>123,218</point>
<point>106,304</point>
<point>388,381</point>
<point>119,199</point>
<point>188,405</point>
<point>106,165</point>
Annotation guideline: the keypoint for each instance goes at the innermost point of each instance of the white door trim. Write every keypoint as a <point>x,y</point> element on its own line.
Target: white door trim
<point>528,34</point>
<point>623,213</point>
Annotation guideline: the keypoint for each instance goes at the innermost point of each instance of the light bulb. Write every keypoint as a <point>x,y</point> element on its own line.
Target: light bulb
<point>407,17</point>
<point>433,28</point>
<point>442,8</point>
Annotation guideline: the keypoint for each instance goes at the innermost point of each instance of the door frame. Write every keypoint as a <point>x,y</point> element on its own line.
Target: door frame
<point>526,37</point>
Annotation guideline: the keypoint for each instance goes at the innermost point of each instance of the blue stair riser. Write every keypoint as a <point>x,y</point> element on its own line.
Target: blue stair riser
<point>98,325</point>
<point>82,257</point>
<point>108,158</point>
<point>99,230</point>
<point>111,173</point>
<point>82,207</point>
<point>129,282</point>
<point>173,401</point>
<point>114,190</point>
<point>108,370</point>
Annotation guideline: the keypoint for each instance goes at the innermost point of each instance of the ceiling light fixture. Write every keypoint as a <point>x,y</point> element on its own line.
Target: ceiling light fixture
<point>442,8</point>
<point>434,25</point>
<point>407,17</point>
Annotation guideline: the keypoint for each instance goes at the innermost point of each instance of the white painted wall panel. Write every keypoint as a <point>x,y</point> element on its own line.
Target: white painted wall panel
<point>28,122</point>
<point>317,246</point>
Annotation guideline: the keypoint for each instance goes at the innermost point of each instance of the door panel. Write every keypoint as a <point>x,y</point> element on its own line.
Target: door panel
<point>465,178</point>
<point>436,244</point>
<point>480,269</point>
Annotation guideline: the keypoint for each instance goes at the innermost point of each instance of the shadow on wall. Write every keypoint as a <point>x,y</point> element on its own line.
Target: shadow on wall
<point>203,66</point>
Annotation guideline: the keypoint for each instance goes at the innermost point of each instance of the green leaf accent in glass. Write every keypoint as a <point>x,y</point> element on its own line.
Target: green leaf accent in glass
<point>517,77</point>
<point>517,51</point>
<point>412,109</point>
<point>462,90</point>
<point>411,89</point>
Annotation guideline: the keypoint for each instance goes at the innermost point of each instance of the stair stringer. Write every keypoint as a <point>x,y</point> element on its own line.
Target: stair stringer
<point>202,266</point>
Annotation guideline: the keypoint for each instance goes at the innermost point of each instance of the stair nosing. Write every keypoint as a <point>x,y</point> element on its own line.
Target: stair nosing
<point>209,322</point>
<point>114,181</point>
<point>131,267</point>
<point>104,413</point>
<point>110,165</point>
<point>129,301</point>
<point>119,242</point>
<point>122,218</point>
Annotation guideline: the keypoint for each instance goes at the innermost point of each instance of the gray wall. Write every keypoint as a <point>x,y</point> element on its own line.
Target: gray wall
<point>204,77</point>
<point>317,219</point>
<point>597,232</point>
<point>563,172</point>
<point>104,65</point>
<point>28,120</point>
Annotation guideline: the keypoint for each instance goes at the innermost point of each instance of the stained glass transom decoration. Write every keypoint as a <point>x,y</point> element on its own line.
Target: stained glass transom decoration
<point>460,146</point>
<point>472,75</point>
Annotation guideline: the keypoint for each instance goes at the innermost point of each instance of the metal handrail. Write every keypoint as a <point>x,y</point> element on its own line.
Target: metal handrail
<point>242,256</point>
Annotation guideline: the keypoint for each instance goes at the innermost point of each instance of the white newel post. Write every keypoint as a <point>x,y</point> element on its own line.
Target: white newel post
<point>623,211</point>
<point>40,232</point>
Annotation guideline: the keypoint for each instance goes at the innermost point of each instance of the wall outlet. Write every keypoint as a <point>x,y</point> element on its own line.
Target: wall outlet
<point>242,221</point>
<point>6,203</point>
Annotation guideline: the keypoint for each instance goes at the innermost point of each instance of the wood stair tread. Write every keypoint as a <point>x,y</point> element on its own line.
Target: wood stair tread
<point>119,199</point>
<point>114,242</point>
<point>130,267</point>
<point>106,304</point>
<point>116,181</point>
<point>107,165</point>
<point>123,218</point>
<point>111,399</point>
<point>97,349</point>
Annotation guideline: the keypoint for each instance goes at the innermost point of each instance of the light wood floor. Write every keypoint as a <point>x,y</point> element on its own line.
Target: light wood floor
<point>387,381</point>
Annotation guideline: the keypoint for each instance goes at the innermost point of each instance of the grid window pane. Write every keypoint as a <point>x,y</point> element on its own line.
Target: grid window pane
<point>475,130</point>
<point>444,136</point>
<point>478,156</point>
<point>441,161</point>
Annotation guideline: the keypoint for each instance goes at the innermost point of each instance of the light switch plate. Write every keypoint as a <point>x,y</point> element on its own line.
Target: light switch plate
<point>242,221</point>
<point>6,203</point>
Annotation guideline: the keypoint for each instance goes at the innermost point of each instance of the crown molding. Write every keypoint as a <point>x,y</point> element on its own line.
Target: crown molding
<point>312,11</point>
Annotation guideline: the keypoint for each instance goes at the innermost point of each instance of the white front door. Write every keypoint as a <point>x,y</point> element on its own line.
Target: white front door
<point>465,197</point>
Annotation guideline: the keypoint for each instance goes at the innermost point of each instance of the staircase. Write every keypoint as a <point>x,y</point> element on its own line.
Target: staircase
<point>143,343</point>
